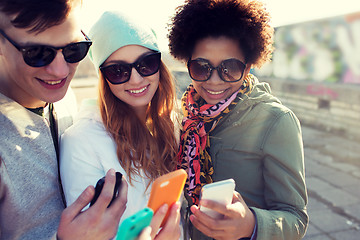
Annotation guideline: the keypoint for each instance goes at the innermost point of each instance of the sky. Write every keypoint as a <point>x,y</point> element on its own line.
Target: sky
<point>158,12</point>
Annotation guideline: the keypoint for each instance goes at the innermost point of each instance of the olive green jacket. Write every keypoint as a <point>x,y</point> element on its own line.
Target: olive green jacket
<point>259,145</point>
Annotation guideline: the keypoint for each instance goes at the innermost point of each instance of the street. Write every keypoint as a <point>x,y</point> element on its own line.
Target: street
<point>332,166</point>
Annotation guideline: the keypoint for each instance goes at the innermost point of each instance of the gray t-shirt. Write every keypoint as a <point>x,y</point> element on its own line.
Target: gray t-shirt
<point>30,198</point>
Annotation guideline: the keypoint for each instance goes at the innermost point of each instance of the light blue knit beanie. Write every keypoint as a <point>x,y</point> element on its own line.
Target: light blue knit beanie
<point>114,30</point>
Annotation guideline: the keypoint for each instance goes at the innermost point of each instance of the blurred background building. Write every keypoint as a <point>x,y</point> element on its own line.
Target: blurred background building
<point>315,71</point>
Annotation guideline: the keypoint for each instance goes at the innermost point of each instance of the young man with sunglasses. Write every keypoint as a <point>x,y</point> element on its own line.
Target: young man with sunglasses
<point>41,45</point>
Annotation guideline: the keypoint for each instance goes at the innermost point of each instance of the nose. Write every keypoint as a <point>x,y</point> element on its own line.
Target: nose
<point>135,77</point>
<point>59,68</point>
<point>215,78</point>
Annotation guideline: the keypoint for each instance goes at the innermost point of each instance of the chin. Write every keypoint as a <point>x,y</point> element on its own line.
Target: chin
<point>54,98</point>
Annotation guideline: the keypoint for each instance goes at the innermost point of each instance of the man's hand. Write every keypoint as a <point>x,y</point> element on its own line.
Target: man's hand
<point>98,221</point>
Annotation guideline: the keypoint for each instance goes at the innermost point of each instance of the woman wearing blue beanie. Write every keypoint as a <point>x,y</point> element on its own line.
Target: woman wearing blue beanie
<point>130,127</point>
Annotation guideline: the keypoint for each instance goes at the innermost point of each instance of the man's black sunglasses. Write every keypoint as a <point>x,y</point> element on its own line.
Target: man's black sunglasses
<point>42,55</point>
<point>229,70</point>
<point>120,72</point>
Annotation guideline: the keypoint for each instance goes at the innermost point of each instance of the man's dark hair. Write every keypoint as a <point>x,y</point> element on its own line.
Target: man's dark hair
<point>38,15</point>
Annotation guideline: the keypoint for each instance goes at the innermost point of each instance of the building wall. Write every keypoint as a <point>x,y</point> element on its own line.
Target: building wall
<point>330,107</point>
<point>326,50</point>
<point>315,71</point>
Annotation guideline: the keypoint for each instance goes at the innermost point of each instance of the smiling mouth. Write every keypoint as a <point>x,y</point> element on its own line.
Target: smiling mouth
<point>138,91</point>
<point>215,93</point>
<point>52,82</point>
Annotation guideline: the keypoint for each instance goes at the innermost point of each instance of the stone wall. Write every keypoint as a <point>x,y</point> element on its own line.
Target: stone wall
<point>330,107</point>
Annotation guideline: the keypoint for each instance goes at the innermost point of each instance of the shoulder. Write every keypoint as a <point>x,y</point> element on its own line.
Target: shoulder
<point>88,130</point>
<point>84,142</point>
<point>261,101</point>
<point>276,120</point>
<point>87,125</point>
<point>258,115</point>
<point>2,179</point>
<point>66,110</point>
<point>13,111</point>
<point>275,109</point>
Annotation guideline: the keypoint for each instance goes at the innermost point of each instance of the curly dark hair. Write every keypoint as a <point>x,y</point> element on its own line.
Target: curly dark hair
<point>245,21</point>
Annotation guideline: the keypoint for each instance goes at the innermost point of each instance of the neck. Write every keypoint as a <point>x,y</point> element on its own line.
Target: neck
<point>141,112</point>
<point>17,97</point>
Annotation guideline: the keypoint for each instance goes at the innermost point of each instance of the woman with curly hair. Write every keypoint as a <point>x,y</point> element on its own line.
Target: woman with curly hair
<point>131,128</point>
<point>233,127</point>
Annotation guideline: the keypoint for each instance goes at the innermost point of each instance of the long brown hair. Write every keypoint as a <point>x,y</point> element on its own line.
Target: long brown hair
<point>151,146</point>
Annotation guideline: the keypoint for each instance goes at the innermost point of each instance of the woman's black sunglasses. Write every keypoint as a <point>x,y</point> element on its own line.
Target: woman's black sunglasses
<point>42,55</point>
<point>120,72</point>
<point>229,70</point>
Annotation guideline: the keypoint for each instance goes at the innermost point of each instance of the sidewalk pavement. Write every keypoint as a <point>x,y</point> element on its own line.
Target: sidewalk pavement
<point>332,167</point>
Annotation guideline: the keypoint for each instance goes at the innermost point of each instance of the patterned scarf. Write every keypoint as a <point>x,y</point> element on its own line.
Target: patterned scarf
<point>199,120</point>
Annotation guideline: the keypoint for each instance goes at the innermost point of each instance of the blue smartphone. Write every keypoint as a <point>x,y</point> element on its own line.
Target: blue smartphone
<point>132,226</point>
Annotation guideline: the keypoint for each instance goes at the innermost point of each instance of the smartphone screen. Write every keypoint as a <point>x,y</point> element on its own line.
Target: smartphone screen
<point>221,192</point>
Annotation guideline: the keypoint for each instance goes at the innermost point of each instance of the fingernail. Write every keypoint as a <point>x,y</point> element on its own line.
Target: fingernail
<point>164,208</point>
<point>147,230</point>
<point>177,205</point>
<point>89,192</point>
<point>112,171</point>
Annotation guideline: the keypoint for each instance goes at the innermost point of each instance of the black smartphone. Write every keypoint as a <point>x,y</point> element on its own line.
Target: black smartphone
<point>100,184</point>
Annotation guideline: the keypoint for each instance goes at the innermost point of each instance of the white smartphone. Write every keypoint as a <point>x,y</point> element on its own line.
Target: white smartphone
<point>221,192</point>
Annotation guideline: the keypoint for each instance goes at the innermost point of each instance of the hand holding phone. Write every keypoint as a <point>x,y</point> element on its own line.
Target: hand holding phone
<point>221,192</point>
<point>132,226</point>
<point>167,190</point>
<point>100,184</point>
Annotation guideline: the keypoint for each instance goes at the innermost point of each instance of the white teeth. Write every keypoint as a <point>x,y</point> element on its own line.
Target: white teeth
<point>138,91</point>
<point>219,92</point>
<point>53,82</point>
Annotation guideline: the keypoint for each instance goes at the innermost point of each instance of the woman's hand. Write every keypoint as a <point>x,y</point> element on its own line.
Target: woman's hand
<point>171,229</point>
<point>238,220</point>
<point>98,221</point>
